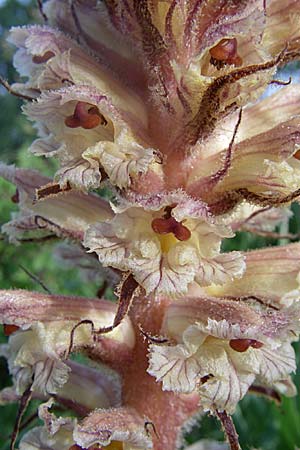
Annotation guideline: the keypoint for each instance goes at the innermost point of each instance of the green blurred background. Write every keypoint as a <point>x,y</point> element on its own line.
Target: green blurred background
<point>260,423</point>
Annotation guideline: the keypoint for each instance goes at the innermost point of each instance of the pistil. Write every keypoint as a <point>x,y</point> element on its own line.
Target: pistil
<point>170,225</point>
<point>225,53</point>
<point>40,59</point>
<point>86,116</point>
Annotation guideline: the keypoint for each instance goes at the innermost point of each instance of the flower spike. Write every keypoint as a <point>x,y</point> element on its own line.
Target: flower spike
<point>166,144</point>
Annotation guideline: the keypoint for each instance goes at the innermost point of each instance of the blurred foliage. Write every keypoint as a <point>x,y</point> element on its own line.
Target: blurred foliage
<point>260,423</point>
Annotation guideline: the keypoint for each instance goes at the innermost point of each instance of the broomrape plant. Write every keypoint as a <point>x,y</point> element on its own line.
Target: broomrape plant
<point>160,102</point>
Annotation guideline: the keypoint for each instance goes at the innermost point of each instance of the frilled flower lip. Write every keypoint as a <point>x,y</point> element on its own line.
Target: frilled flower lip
<point>112,145</point>
<point>52,327</point>
<point>161,261</point>
<point>101,427</point>
<point>222,345</point>
<point>120,424</point>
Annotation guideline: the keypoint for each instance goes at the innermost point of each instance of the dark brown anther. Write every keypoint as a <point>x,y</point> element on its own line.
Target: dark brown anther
<point>225,52</point>
<point>75,447</point>
<point>10,329</point>
<point>40,59</point>
<point>242,345</point>
<point>170,225</point>
<point>205,379</point>
<point>161,226</point>
<point>297,155</point>
<point>16,197</point>
<point>256,344</point>
<point>181,232</point>
<point>86,116</point>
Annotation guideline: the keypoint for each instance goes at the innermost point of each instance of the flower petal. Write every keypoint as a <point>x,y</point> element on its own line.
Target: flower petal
<point>164,262</point>
<point>117,424</point>
<point>84,149</point>
<point>271,274</point>
<point>38,352</point>
<point>276,365</point>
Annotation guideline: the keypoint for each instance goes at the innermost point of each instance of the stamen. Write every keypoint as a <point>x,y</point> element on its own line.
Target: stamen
<point>242,345</point>
<point>162,226</point>
<point>9,329</point>
<point>86,116</point>
<point>40,59</point>
<point>225,52</point>
<point>170,225</point>
<point>181,232</point>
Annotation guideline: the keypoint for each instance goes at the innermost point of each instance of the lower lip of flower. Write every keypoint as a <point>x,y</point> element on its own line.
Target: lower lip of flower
<point>114,445</point>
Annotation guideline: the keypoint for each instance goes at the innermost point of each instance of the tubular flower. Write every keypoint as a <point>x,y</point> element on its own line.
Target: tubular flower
<point>63,213</point>
<point>226,343</point>
<point>59,433</point>
<point>38,349</point>
<point>156,105</point>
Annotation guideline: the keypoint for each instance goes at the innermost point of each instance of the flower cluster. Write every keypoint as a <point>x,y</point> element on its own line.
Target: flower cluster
<point>159,101</point>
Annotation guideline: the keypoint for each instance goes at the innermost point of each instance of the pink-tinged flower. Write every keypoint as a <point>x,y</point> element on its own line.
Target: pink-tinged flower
<point>85,389</point>
<point>272,275</point>
<point>63,213</point>
<point>221,345</point>
<point>114,429</point>
<point>166,245</point>
<point>264,160</point>
<point>38,351</point>
<point>188,66</point>
<point>127,404</point>
<point>92,123</point>
<point>221,358</point>
<point>87,133</point>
